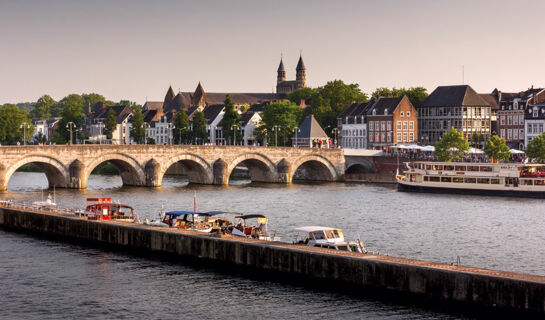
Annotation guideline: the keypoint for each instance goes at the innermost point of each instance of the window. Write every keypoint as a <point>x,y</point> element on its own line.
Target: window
<point>411,125</point>
<point>377,125</point>
<point>398,138</point>
<point>411,137</point>
<point>404,137</point>
<point>509,120</point>
<point>389,125</point>
<point>521,119</point>
<point>401,114</point>
<point>515,120</point>
<point>515,134</point>
<point>535,112</point>
<point>371,137</point>
<point>502,120</point>
<point>530,128</point>
<point>389,136</point>
<point>408,114</point>
<point>404,125</point>
<point>398,125</point>
<point>521,134</point>
<point>371,126</point>
<point>377,137</point>
<point>509,134</point>
<point>383,125</point>
<point>382,137</point>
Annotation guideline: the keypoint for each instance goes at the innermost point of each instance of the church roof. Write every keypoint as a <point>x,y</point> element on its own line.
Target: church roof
<point>281,67</point>
<point>447,96</point>
<point>310,128</point>
<point>168,96</point>
<point>300,64</point>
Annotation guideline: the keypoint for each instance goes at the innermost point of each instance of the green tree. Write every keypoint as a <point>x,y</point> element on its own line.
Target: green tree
<point>71,112</point>
<point>496,149</point>
<point>73,100</point>
<point>536,148</point>
<point>415,94</point>
<point>452,146</point>
<point>181,128</point>
<point>131,104</point>
<point>150,140</point>
<point>110,123</point>
<point>328,101</point>
<point>477,138</point>
<point>300,94</point>
<point>230,121</point>
<point>199,128</point>
<point>11,120</point>
<point>282,116</point>
<point>42,108</point>
<point>90,99</point>
<point>137,131</point>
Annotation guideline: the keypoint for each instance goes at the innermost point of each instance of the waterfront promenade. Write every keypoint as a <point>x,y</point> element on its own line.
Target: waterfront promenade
<point>478,287</point>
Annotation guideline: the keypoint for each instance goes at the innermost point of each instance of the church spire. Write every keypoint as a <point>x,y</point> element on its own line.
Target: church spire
<point>300,76</point>
<point>300,64</point>
<point>281,72</point>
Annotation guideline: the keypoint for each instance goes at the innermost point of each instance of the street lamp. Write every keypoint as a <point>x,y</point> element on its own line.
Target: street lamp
<point>335,131</point>
<point>145,125</point>
<point>100,126</point>
<point>296,130</point>
<point>233,128</point>
<point>70,126</point>
<point>24,126</point>
<point>275,129</point>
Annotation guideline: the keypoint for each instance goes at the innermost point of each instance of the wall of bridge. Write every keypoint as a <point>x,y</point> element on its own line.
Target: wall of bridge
<point>145,165</point>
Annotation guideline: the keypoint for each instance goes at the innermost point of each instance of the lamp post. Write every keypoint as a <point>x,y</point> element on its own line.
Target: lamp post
<point>275,129</point>
<point>335,131</point>
<point>70,126</point>
<point>145,125</point>
<point>234,129</point>
<point>100,126</point>
<point>24,126</point>
<point>241,135</point>
<point>296,130</point>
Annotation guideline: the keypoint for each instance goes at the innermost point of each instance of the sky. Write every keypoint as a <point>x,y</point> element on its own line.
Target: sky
<point>132,49</point>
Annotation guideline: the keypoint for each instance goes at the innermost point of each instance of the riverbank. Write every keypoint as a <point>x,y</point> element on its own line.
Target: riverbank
<point>476,287</point>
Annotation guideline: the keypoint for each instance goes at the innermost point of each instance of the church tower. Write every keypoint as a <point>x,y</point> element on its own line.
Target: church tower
<point>301,77</point>
<point>281,73</point>
<point>199,97</point>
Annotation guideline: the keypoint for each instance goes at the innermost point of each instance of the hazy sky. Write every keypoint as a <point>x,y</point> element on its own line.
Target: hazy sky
<point>136,49</point>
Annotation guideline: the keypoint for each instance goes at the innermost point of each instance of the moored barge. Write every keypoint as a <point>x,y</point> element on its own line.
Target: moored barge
<point>496,179</point>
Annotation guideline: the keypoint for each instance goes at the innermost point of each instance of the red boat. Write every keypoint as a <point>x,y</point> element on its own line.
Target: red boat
<point>105,209</point>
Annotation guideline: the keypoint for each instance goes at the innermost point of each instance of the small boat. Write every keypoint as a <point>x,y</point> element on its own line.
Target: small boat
<point>258,231</point>
<point>186,220</point>
<point>47,205</point>
<point>105,209</point>
<point>326,237</point>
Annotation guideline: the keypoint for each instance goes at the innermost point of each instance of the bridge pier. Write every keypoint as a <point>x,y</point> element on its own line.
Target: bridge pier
<point>284,170</point>
<point>221,175</point>
<point>152,172</point>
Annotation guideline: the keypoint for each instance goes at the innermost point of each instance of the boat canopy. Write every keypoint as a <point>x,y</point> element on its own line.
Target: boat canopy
<point>181,213</point>
<point>215,213</point>
<point>312,229</point>
<point>250,216</point>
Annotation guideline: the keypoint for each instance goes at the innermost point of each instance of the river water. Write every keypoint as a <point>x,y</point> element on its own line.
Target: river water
<point>49,279</point>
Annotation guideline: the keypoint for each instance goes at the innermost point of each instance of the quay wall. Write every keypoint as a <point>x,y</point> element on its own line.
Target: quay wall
<point>368,272</point>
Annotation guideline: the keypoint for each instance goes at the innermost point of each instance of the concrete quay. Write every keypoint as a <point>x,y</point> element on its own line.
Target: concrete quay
<point>478,288</point>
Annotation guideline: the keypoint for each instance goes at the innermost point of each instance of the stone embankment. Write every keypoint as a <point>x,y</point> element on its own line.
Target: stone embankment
<point>480,288</point>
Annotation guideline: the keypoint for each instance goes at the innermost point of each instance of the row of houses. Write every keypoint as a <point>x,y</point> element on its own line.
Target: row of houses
<point>387,121</point>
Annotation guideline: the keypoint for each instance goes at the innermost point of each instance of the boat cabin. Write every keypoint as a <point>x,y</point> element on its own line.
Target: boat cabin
<point>325,237</point>
<point>105,209</point>
<point>255,231</point>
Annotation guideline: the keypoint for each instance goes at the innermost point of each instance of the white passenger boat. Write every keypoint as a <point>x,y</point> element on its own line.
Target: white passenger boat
<point>325,237</point>
<point>497,179</point>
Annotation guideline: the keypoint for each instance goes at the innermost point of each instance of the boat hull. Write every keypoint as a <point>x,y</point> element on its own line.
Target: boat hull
<point>406,187</point>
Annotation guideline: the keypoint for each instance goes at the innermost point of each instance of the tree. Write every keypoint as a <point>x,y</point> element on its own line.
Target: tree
<point>477,138</point>
<point>415,94</point>
<point>496,149</point>
<point>90,99</point>
<point>71,112</point>
<point>536,148</point>
<point>199,128</point>
<point>137,131</point>
<point>300,94</point>
<point>230,121</point>
<point>11,119</point>
<point>181,128</point>
<point>42,108</point>
<point>282,116</point>
<point>110,123</point>
<point>131,104</point>
<point>328,101</point>
<point>73,100</point>
<point>452,146</point>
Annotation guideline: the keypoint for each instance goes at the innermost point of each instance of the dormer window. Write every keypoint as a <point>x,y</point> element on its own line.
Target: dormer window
<point>408,114</point>
<point>402,114</point>
<point>535,112</point>
<point>374,112</point>
<point>385,112</point>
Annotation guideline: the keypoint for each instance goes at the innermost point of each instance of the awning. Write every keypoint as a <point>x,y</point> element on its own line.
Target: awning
<point>515,151</point>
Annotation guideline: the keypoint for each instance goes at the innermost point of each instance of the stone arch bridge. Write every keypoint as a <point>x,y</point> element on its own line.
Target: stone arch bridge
<point>145,165</point>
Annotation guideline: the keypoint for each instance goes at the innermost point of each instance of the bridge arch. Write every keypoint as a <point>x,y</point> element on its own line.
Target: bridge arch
<point>315,168</point>
<point>56,173</point>
<point>196,168</point>
<point>129,169</point>
<point>260,167</point>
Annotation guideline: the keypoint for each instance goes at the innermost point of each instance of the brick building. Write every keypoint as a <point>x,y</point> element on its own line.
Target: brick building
<point>391,121</point>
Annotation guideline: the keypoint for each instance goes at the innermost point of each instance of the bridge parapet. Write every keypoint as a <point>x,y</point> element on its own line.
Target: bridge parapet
<point>145,165</point>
